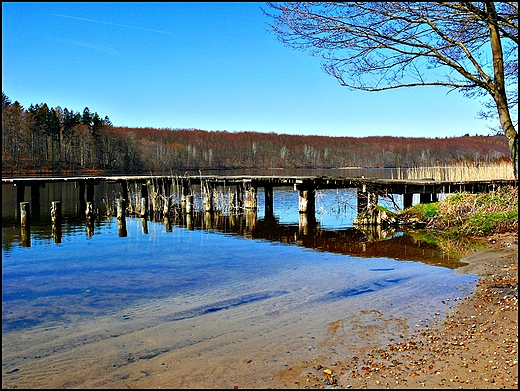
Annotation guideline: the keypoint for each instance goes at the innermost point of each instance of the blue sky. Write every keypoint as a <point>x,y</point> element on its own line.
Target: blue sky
<point>210,66</point>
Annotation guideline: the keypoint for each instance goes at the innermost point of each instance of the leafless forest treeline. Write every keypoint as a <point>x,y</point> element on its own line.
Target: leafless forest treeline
<point>42,139</point>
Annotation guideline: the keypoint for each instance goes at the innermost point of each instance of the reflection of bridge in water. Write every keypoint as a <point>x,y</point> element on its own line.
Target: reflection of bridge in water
<point>172,198</point>
<point>375,242</point>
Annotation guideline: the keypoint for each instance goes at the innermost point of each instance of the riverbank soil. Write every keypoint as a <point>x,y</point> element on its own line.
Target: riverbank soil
<point>474,346</point>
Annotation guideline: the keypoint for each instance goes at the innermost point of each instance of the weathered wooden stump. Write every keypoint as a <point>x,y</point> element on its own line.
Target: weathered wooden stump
<point>56,212</point>
<point>251,199</point>
<point>144,223</point>
<point>121,227</point>
<point>89,211</point>
<point>306,202</point>
<point>207,202</point>
<point>167,223</point>
<point>121,208</point>
<point>25,214</point>
<point>188,202</point>
<point>232,202</point>
<point>143,209</point>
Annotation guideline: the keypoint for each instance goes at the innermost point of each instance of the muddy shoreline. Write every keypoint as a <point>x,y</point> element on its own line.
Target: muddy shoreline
<point>474,346</point>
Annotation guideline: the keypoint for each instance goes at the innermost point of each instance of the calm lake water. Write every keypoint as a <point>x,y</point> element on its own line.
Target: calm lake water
<point>194,301</point>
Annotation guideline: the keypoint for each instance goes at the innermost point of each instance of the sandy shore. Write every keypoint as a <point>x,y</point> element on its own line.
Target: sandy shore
<point>474,346</point>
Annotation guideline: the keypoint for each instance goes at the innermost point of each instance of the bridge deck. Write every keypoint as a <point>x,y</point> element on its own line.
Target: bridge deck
<point>377,185</point>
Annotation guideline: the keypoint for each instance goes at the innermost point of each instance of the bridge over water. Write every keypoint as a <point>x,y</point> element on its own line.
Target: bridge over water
<point>156,190</point>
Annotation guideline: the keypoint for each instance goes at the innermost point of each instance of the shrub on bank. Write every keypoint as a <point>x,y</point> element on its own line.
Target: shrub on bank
<point>468,213</point>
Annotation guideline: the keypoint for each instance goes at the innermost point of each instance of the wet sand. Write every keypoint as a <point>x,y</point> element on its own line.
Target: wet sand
<point>474,346</point>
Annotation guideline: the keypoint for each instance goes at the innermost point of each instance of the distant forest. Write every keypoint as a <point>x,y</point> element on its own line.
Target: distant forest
<point>43,139</point>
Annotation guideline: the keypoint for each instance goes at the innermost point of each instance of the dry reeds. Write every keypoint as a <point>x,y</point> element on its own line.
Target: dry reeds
<point>460,172</point>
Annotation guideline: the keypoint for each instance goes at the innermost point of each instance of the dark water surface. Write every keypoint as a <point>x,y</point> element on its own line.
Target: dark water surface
<point>228,279</point>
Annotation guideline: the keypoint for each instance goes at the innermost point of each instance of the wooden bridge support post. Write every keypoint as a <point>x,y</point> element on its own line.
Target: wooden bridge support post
<point>82,202</point>
<point>144,224</point>
<point>207,202</point>
<point>167,223</point>
<point>35,201</point>
<point>232,203</point>
<point>55,212</point>
<point>189,221</point>
<point>365,200</point>
<point>89,211</point>
<point>189,203</point>
<point>25,214</point>
<point>56,221</point>
<point>121,206</point>
<point>307,223</point>
<point>121,228</point>
<point>407,200</point>
<point>166,207</point>
<point>251,201</point>
<point>425,198</point>
<point>20,193</point>
<point>269,208</point>
<point>25,229</point>
<point>153,205</point>
<point>239,201</point>
<point>307,200</point>
<point>126,198</point>
<point>90,192</point>
<point>208,220</point>
<point>251,218</point>
<point>186,192</point>
<point>143,205</point>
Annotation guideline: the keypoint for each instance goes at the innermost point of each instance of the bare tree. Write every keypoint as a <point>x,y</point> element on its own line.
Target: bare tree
<point>373,46</point>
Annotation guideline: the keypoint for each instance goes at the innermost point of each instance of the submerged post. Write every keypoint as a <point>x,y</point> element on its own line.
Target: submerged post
<point>120,208</point>
<point>25,215</point>
<point>89,211</point>
<point>307,200</point>
<point>144,200</point>
<point>208,200</point>
<point>251,198</point>
<point>269,209</point>
<point>55,212</point>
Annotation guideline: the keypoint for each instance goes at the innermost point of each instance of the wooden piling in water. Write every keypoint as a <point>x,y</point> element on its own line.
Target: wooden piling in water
<point>56,221</point>
<point>25,214</point>
<point>189,203</point>
<point>207,202</point>
<point>307,201</point>
<point>121,208</point>
<point>269,209</point>
<point>143,210</point>
<point>56,212</point>
<point>121,228</point>
<point>89,211</point>
<point>251,198</point>
<point>20,193</point>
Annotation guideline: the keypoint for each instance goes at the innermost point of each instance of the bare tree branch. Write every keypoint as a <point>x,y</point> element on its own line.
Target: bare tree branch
<point>377,46</point>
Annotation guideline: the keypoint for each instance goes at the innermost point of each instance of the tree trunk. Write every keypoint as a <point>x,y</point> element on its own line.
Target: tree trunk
<point>498,90</point>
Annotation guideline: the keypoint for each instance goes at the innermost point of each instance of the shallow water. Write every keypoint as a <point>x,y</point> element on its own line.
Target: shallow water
<point>214,301</point>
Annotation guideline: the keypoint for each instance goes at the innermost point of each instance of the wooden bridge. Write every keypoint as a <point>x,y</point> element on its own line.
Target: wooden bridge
<point>157,188</point>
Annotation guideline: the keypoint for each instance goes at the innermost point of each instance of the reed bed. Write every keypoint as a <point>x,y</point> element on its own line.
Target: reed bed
<point>460,172</point>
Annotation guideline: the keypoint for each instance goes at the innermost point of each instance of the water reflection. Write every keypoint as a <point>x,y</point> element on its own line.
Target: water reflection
<point>369,243</point>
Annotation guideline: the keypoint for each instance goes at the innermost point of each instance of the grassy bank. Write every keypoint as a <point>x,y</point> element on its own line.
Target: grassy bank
<point>469,214</point>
